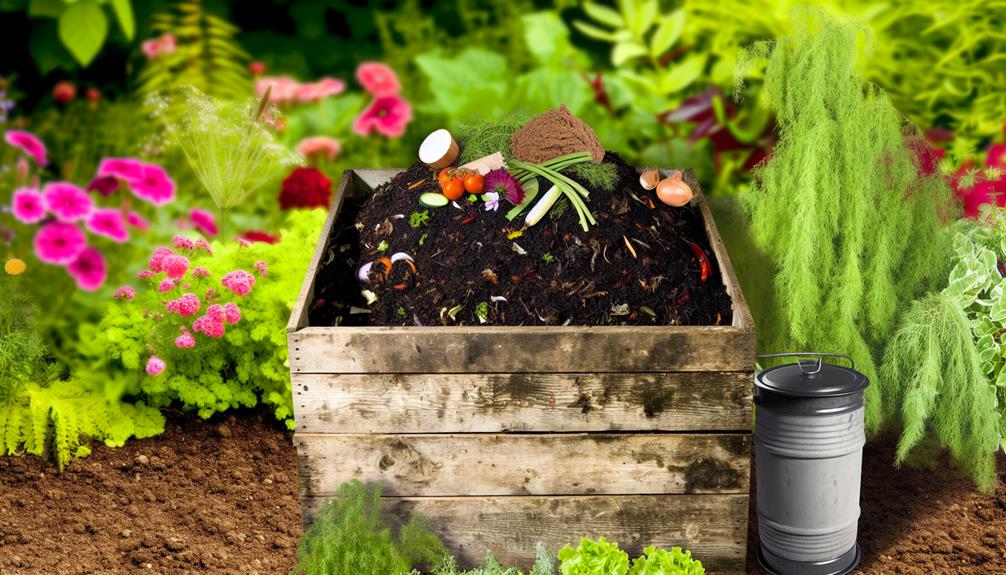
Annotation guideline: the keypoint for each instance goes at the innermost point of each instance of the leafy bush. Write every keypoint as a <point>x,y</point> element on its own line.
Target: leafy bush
<point>41,411</point>
<point>213,371</point>
<point>936,59</point>
<point>663,562</point>
<point>945,369</point>
<point>599,557</point>
<point>352,535</point>
<point>840,205</point>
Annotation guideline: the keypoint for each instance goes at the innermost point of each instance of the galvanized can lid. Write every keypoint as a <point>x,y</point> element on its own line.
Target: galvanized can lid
<point>811,377</point>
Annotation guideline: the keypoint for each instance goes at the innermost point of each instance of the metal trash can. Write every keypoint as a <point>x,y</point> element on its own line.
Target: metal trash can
<point>809,439</point>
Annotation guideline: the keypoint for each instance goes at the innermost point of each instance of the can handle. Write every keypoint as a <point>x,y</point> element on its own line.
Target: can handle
<point>804,366</point>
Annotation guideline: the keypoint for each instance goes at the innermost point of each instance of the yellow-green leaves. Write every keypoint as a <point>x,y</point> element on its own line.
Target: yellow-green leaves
<point>668,33</point>
<point>82,29</point>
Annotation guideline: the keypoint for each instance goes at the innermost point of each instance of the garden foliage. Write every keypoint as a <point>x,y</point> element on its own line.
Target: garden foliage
<point>44,412</point>
<point>352,535</point>
<point>944,370</point>
<point>841,204</point>
<point>241,367</point>
<point>544,564</point>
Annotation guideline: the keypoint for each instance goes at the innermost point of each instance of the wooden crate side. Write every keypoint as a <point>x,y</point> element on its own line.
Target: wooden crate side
<point>532,402</point>
<point>526,464</point>
<point>529,349</point>
<point>713,527</point>
<point>741,313</point>
<point>298,316</point>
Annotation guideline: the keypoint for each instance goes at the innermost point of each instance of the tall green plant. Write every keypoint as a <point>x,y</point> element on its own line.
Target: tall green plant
<point>353,535</point>
<point>841,205</point>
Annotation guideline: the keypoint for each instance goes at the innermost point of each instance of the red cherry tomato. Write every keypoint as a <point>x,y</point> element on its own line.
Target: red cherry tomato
<point>474,183</point>
<point>454,189</point>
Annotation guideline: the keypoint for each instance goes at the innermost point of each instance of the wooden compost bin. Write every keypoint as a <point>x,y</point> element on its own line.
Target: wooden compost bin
<point>505,436</point>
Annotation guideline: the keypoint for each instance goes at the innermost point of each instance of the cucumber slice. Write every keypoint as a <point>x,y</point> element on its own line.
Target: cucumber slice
<point>433,200</point>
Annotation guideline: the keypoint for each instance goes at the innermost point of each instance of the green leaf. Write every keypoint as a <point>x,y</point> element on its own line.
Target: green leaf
<point>668,33</point>
<point>683,74</point>
<point>625,51</point>
<point>124,14</point>
<point>545,35</point>
<point>454,95</point>
<point>46,49</point>
<point>82,28</point>
<point>595,32</point>
<point>45,8</point>
<point>604,15</point>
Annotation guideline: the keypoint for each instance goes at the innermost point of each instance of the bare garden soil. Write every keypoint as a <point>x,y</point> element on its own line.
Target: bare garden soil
<point>635,267</point>
<point>220,497</point>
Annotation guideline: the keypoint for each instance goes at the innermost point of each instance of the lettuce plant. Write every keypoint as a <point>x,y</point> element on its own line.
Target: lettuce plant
<point>601,557</point>
<point>664,562</point>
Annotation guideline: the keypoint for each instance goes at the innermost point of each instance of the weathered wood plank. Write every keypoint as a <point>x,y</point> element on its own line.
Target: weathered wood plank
<point>526,464</point>
<point>741,313</point>
<point>713,527</point>
<point>528,349</point>
<point>487,403</point>
<point>298,316</point>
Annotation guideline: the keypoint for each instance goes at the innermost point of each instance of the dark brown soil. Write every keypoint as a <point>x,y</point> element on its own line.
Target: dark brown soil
<point>222,500</point>
<point>204,497</point>
<point>464,259</point>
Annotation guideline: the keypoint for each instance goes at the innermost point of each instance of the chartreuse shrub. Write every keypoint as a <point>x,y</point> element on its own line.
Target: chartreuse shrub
<point>352,535</point>
<point>944,370</point>
<point>849,223</point>
<point>44,411</point>
<point>603,557</point>
<point>209,332</point>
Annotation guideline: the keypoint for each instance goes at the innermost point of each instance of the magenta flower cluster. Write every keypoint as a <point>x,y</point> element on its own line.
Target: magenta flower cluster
<point>61,209</point>
<point>170,271</point>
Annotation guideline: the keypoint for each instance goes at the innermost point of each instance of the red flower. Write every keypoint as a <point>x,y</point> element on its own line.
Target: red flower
<point>64,91</point>
<point>253,236</point>
<point>305,188</point>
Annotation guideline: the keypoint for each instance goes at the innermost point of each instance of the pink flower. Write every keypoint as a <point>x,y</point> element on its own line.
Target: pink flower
<point>320,146</point>
<point>232,314</point>
<point>145,275</point>
<point>210,325</point>
<point>28,143</point>
<point>256,67</point>
<point>238,281</point>
<point>108,222</point>
<point>200,272</point>
<point>378,79</point>
<point>284,88</point>
<point>129,169</point>
<point>125,292</point>
<point>216,312</point>
<point>316,91</point>
<point>156,261</point>
<point>204,245</point>
<point>186,305</point>
<point>183,243</point>
<point>252,236</point>
<point>59,243</point>
<point>176,266</point>
<point>64,91</point>
<point>137,222</point>
<point>28,206</point>
<point>185,341</point>
<point>387,114</point>
<point>67,201</point>
<point>204,222</point>
<point>88,269</point>
<point>155,365</point>
<point>153,185</point>
<point>154,47</point>
<point>166,285</point>
<point>262,268</point>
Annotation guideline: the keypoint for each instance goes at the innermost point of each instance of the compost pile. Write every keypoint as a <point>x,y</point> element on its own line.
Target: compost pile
<point>392,261</point>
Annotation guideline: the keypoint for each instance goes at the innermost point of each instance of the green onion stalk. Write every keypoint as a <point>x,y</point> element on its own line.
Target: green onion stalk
<point>524,172</point>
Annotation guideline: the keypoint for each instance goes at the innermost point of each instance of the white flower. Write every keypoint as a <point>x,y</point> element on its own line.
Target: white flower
<point>492,201</point>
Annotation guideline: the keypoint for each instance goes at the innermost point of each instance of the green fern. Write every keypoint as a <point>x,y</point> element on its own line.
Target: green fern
<point>935,381</point>
<point>603,176</point>
<point>352,535</point>
<point>206,57</point>
<point>485,138</point>
<point>840,206</point>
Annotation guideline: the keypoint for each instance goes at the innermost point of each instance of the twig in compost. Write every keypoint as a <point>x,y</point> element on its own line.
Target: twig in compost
<point>632,250</point>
